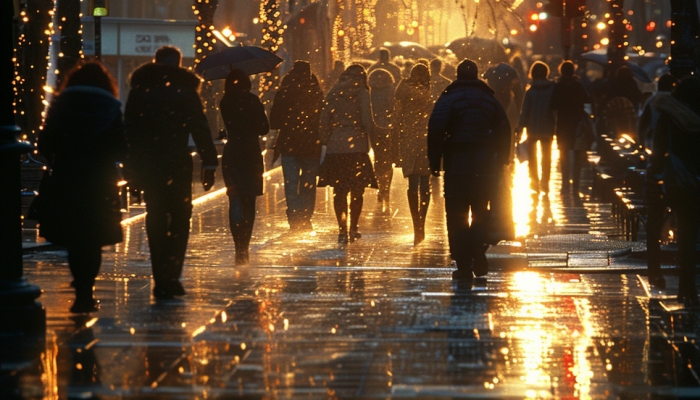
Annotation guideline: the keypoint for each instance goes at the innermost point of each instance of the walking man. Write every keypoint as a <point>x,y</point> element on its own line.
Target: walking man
<point>469,132</point>
<point>162,110</point>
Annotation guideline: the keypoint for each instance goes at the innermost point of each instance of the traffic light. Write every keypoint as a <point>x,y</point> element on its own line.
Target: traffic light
<point>99,8</point>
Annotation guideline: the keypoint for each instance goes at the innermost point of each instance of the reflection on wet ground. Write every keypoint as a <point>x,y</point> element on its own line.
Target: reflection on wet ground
<point>375,318</point>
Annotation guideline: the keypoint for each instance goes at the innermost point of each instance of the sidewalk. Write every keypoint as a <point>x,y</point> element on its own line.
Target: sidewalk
<point>374,319</point>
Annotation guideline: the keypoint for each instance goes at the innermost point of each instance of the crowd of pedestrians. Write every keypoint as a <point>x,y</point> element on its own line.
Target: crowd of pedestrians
<point>426,124</point>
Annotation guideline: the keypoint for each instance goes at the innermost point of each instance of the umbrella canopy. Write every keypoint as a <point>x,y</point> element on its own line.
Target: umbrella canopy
<point>410,50</point>
<point>601,57</point>
<point>479,48</point>
<point>250,59</point>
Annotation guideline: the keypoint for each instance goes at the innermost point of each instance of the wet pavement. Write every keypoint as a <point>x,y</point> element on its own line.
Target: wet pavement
<point>562,314</point>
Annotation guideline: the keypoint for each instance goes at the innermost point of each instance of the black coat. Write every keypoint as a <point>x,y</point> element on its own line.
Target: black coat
<point>83,138</point>
<point>470,129</point>
<point>242,162</point>
<point>568,99</point>
<point>162,110</point>
<point>296,112</point>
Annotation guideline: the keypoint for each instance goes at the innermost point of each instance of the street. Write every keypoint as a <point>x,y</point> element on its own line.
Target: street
<point>377,318</point>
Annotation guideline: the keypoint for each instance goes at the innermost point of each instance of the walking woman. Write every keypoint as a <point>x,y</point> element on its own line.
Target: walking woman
<point>346,123</point>
<point>413,106</point>
<point>381,85</point>
<point>83,139</point>
<point>242,161</point>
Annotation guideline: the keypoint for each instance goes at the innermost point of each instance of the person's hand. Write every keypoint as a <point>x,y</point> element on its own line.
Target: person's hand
<point>208,178</point>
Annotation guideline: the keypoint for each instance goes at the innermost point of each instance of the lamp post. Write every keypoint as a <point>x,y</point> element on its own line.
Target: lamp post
<point>20,314</point>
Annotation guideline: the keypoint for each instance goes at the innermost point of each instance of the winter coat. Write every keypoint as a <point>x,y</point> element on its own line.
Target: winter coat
<point>296,111</point>
<point>568,99</point>
<point>469,129</point>
<point>346,119</point>
<point>413,105</point>
<point>162,110</point>
<point>678,135</point>
<point>83,139</point>
<point>438,84</point>
<point>537,116</point>
<point>381,92</point>
<point>242,161</point>
<point>393,69</point>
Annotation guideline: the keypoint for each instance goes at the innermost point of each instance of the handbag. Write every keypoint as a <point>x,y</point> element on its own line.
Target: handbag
<point>585,133</point>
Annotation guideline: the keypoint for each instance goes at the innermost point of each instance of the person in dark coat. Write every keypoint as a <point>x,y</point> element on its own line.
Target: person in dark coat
<point>537,117</point>
<point>508,88</point>
<point>295,112</point>
<point>385,62</point>
<point>675,157</point>
<point>242,162</point>
<point>568,99</point>
<point>381,85</point>
<point>469,133</point>
<point>346,126</point>
<point>413,104</point>
<point>438,82</point>
<point>162,111</point>
<point>83,139</point>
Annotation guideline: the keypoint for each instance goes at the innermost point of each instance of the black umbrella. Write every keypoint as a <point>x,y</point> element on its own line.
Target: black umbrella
<point>410,50</point>
<point>601,57</point>
<point>250,59</point>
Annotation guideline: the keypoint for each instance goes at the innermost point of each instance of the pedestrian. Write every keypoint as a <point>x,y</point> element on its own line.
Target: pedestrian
<point>242,162</point>
<point>537,117</point>
<point>295,112</point>
<point>675,156</point>
<point>506,82</point>
<point>413,107</point>
<point>346,124</point>
<point>385,62</point>
<point>338,68</point>
<point>82,140</point>
<point>162,111</point>
<point>469,134</point>
<point>438,82</point>
<point>654,196</point>
<point>568,100</point>
<point>381,90</point>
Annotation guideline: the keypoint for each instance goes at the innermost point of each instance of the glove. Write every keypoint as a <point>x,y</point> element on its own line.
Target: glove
<point>208,178</point>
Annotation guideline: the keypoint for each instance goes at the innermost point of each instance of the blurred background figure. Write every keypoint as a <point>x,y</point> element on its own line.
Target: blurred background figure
<point>295,112</point>
<point>508,88</point>
<point>568,100</point>
<point>385,62</point>
<point>438,82</point>
<point>83,139</point>
<point>242,161</point>
<point>413,105</point>
<point>537,117</point>
<point>346,124</point>
<point>381,85</point>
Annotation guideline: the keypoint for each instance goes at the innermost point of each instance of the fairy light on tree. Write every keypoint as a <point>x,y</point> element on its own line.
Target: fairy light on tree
<point>31,60</point>
<point>71,45</point>
<point>204,37</point>
<point>272,37</point>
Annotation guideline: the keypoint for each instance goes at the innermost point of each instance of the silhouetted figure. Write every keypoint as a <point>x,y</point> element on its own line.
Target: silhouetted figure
<point>384,143</point>
<point>675,156</point>
<point>438,82</point>
<point>242,162</point>
<point>338,68</point>
<point>295,112</point>
<point>568,99</point>
<point>162,111</point>
<point>82,139</point>
<point>469,133</point>
<point>346,123</point>
<point>413,106</point>
<point>385,62</point>
<point>625,86</point>
<point>655,200</point>
<point>508,88</point>
<point>538,118</point>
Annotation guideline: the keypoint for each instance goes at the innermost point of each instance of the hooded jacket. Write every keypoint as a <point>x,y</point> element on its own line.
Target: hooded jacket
<point>469,129</point>
<point>82,138</point>
<point>296,111</point>
<point>162,110</point>
<point>536,115</point>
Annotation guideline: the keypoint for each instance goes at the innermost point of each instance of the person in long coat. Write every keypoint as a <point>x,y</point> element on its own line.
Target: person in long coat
<point>381,85</point>
<point>295,112</point>
<point>537,117</point>
<point>568,99</point>
<point>413,106</point>
<point>242,161</point>
<point>346,124</point>
<point>675,157</point>
<point>83,139</point>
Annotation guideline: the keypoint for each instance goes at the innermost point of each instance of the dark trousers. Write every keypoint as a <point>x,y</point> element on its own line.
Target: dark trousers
<point>84,263</point>
<point>462,194</point>
<point>656,208</point>
<point>537,183</point>
<point>241,216</point>
<point>168,213</point>
<point>686,208</point>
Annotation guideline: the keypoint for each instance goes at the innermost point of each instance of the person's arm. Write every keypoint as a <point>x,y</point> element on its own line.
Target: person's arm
<point>504,135</point>
<point>438,125</point>
<point>525,112</point>
<point>658,155</point>
<point>366,113</point>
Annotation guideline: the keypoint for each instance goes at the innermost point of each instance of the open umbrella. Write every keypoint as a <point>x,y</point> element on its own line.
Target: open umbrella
<point>601,57</point>
<point>410,50</point>
<point>250,59</point>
